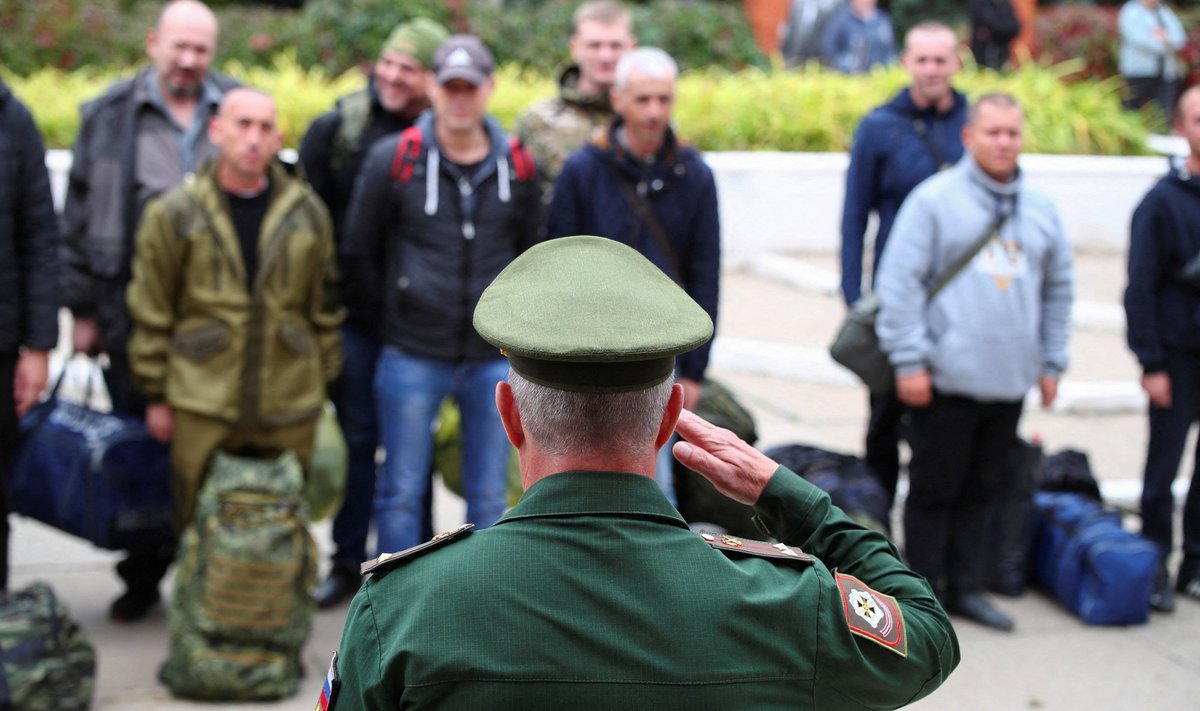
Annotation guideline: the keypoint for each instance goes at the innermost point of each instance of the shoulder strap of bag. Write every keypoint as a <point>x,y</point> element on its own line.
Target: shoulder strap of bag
<point>964,260</point>
<point>922,130</point>
<point>641,208</point>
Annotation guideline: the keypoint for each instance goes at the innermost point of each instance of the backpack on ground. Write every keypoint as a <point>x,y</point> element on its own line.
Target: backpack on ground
<point>846,478</point>
<point>1085,558</point>
<point>45,661</point>
<point>241,611</point>
<point>1069,470</point>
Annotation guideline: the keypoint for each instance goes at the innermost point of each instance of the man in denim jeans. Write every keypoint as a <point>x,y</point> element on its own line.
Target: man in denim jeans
<point>437,212</point>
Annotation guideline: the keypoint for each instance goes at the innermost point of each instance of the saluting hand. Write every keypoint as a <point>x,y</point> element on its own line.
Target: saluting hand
<point>736,469</point>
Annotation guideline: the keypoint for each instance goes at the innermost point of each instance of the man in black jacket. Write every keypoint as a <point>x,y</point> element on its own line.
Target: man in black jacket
<point>994,25</point>
<point>29,242</point>
<point>137,140</point>
<point>1162,302</point>
<point>436,213</point>
<point>332,152</point>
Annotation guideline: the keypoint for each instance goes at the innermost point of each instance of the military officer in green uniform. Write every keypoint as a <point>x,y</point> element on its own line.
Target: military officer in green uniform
<point>592,593</point>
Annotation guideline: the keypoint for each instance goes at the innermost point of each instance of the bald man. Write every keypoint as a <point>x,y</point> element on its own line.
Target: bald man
<point>234,325</point>
<point>136,141</point>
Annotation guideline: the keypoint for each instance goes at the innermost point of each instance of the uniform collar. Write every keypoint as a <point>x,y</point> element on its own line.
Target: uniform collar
<point>595,493</point>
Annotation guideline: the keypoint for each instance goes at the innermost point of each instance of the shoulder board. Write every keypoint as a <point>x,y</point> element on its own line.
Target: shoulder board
<point>872,614</point>
<point>408,150</point>
<point>387,560</point>
<point>761,549</point>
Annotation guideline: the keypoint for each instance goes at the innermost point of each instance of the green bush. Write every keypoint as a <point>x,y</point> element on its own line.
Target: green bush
<point>815,110</point>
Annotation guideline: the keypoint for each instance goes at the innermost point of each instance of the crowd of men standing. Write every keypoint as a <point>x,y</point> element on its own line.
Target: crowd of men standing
<point>232,296</point>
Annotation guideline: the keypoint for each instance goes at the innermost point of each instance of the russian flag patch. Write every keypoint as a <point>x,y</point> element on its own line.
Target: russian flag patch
<point>329,692</point>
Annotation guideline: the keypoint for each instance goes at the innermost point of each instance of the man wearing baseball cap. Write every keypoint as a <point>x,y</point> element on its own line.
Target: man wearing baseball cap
<point>592,592</point>
<point>436,213</point>
<point>332,153</point>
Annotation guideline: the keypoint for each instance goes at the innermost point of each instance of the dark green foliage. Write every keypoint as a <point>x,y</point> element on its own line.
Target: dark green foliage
<point>906,13</point>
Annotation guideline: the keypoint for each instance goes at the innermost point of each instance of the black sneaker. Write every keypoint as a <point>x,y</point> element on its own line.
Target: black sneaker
<point>1161,597</point>
<point>338,587</point>
<point>976,607</point>
<point>133,604</point>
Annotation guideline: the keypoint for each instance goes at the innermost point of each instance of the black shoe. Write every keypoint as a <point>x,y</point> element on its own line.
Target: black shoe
<point>1189,587</point>
<point>1161,597</point>
<point>134,604</point>
<point>338,587</point>
<point>975,607</point>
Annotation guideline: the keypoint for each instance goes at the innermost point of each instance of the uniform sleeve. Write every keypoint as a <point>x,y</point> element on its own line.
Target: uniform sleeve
<point>360,661</point>
<point>326,312</point>
<point>854,670</point>
<point>901,285</point>
<point>536,135</point>
<point>38,237</point>
<point>367,228</point>
<point>703,272</point>
<point>1058,283</point>
<point>152,297</point>
<point>861,176</point>
<point>1141,294</point>
<point>78,283</point>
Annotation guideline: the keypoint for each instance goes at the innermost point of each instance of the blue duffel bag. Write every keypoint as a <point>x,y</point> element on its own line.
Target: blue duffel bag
<point>1085,558</point>
<point>97,475</point>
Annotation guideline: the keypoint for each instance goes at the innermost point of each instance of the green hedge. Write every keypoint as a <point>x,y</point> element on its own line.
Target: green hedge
<point>813,110</point>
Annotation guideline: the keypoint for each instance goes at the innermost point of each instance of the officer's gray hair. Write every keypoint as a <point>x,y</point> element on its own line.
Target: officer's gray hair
<point>647,61</point>
<point>564,422</point>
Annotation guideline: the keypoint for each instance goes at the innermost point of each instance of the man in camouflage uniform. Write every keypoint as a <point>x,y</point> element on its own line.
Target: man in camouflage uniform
<point>601,33</point>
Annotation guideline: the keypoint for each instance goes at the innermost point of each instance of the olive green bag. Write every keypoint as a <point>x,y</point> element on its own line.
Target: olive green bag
<point>46,664</point>
<point>241,611</point>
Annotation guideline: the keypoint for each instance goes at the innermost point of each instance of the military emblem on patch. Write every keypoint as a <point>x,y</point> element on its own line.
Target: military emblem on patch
<point>873,615</point>
<point>329,692</point>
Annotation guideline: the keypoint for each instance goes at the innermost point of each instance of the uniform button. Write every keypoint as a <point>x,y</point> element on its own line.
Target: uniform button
<point>403,282</point>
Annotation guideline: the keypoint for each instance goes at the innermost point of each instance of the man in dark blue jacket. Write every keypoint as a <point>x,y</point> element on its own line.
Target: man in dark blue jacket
<point>639,185</point>
<point>437,212</point>
<point>29,297</point>
<point>332,152</point>
<point>896,146</point>
<point>1162,305</point>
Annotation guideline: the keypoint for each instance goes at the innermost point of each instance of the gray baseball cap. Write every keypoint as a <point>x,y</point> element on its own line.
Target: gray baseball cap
<point>463,57</point>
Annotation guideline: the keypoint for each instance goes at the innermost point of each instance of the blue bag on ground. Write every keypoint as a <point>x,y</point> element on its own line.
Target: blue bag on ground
<point>97,475</point>
<point>1085,558</point>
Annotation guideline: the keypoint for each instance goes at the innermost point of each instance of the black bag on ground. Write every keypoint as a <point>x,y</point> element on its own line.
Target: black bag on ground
<point>1069,470</point>
<point>46,664</point>
<point>1010,537</point>
<point>698,500</point>
<point>847,479</point>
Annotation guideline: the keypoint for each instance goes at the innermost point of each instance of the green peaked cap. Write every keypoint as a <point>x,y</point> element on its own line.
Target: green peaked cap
<point>589,314</point>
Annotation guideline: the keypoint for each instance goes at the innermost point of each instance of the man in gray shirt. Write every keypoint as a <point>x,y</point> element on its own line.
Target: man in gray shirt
<point>143,136</point>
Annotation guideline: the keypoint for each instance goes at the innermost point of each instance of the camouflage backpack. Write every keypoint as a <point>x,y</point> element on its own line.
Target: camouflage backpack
<point>241,611</point>
<point>46,664</point>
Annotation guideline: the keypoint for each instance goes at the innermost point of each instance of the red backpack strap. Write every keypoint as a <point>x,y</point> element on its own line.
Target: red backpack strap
<point>408,149</point>
<point>522,159</point>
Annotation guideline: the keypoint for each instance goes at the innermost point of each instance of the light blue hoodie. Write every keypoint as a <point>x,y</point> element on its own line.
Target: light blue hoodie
<point>1004,320</point>
<point>1141,55</point>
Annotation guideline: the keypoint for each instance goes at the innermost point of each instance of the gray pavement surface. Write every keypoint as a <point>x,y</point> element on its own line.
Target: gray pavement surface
<point>772,335</point>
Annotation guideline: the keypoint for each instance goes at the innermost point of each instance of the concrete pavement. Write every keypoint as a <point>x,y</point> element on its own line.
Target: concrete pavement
<point>773,331</point>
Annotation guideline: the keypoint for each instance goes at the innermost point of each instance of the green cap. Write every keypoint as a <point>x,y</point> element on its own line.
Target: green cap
<point>418,38</point>
<point>589,314</point>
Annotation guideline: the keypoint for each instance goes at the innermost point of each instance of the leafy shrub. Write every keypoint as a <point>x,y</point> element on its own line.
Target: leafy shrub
<point>815,110</point>
<point>1082,32</point>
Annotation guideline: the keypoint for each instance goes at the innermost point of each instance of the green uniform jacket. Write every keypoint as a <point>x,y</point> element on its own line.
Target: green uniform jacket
<point>593,594</point>
<point>204,342</point>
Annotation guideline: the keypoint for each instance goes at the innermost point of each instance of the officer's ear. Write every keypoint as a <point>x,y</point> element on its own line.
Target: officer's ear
<point>666,427</point>
<point>506,405</point>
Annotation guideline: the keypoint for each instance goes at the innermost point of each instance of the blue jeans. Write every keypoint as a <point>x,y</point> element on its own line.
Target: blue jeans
<point>354,398</point>
<point>409,390</point>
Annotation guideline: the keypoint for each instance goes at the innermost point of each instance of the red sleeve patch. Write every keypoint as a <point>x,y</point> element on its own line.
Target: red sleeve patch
<point>873,615</point>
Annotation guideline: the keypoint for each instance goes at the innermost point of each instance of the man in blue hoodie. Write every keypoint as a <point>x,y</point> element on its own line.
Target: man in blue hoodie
<point>1162,304</point>
<point>965,359</point>
<point>896,146</point>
